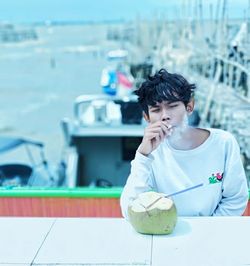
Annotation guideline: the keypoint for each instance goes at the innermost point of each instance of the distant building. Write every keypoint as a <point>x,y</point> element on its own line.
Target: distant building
<point>9,33</point>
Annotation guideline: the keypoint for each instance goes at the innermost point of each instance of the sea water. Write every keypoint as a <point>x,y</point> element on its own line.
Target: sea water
<point>39,80</point>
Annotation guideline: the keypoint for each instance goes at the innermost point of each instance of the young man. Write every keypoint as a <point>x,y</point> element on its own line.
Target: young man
<point>174,156</point>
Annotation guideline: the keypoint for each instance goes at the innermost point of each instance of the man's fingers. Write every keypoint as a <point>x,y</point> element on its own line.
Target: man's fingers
<point>155,129</point>
<point>161,128</point>
<point>152,135</point>
<point>164,128</point>
<point>162,135</point>
<point>167,128</point>
<point>157,139</point>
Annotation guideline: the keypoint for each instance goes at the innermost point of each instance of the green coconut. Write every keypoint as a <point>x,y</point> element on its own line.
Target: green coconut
<point>152,213</point>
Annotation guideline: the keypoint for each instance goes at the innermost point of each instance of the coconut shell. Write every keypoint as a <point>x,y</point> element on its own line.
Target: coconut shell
<point>154,220</point>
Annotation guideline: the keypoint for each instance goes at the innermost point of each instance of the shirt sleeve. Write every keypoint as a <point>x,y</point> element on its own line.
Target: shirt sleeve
<point>139,181</point>
<point>234,187</point>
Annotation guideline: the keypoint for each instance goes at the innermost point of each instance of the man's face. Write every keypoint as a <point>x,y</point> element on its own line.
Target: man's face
<point>172,113</point>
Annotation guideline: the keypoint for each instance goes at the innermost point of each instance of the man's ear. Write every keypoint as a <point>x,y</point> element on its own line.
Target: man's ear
<point>190,106</point>
<point>146,117</point>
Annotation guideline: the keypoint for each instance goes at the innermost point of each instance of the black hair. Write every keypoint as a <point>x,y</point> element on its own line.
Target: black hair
<point>164,86</point>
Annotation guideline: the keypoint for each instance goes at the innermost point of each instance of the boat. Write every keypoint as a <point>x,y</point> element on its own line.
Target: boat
<point>103,138</point>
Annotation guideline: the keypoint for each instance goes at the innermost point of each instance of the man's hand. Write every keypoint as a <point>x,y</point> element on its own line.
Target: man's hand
<point>154,134</point>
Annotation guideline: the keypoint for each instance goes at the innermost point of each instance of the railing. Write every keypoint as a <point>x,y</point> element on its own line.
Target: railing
<point>77,202</point>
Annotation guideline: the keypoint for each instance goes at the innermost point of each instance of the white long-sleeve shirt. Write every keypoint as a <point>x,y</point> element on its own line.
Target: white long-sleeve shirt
<point>216,163</point>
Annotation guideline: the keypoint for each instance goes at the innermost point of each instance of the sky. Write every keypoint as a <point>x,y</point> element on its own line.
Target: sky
<point>30,11</point>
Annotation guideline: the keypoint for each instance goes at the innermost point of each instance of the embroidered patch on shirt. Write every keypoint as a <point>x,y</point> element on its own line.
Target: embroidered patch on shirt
<point>215,178</point>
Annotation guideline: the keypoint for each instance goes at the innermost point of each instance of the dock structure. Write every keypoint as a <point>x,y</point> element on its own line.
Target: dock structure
<point>212,52</point>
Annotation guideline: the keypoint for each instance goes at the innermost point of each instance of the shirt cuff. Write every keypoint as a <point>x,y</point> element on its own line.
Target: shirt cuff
<point>141,157</point>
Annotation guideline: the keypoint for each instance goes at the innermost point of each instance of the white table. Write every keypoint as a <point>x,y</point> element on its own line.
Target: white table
<point>111,241</point>
<point>222,241</point>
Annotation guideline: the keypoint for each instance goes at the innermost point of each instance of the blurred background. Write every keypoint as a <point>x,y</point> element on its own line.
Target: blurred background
<point>51,52</point>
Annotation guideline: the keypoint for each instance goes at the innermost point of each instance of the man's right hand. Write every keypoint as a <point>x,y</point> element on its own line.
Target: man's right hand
<point>154,134</point>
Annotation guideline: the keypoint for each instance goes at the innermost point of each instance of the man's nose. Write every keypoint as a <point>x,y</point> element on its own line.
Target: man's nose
<point>165,116</point>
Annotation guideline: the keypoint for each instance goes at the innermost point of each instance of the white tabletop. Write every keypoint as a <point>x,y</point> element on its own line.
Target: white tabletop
<point>112,241</point>
<point>95,241</point>
<point>21,239</point>
<point>222,241</point>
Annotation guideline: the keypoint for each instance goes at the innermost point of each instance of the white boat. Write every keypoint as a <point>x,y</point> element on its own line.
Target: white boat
<point>103,142</point>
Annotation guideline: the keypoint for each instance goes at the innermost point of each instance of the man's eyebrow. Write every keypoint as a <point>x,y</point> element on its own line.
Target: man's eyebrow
<point>154,106</point>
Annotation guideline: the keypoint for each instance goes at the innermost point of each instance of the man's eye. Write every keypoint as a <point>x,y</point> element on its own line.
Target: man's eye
<point>175,105</point>
<point>155,110</point>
